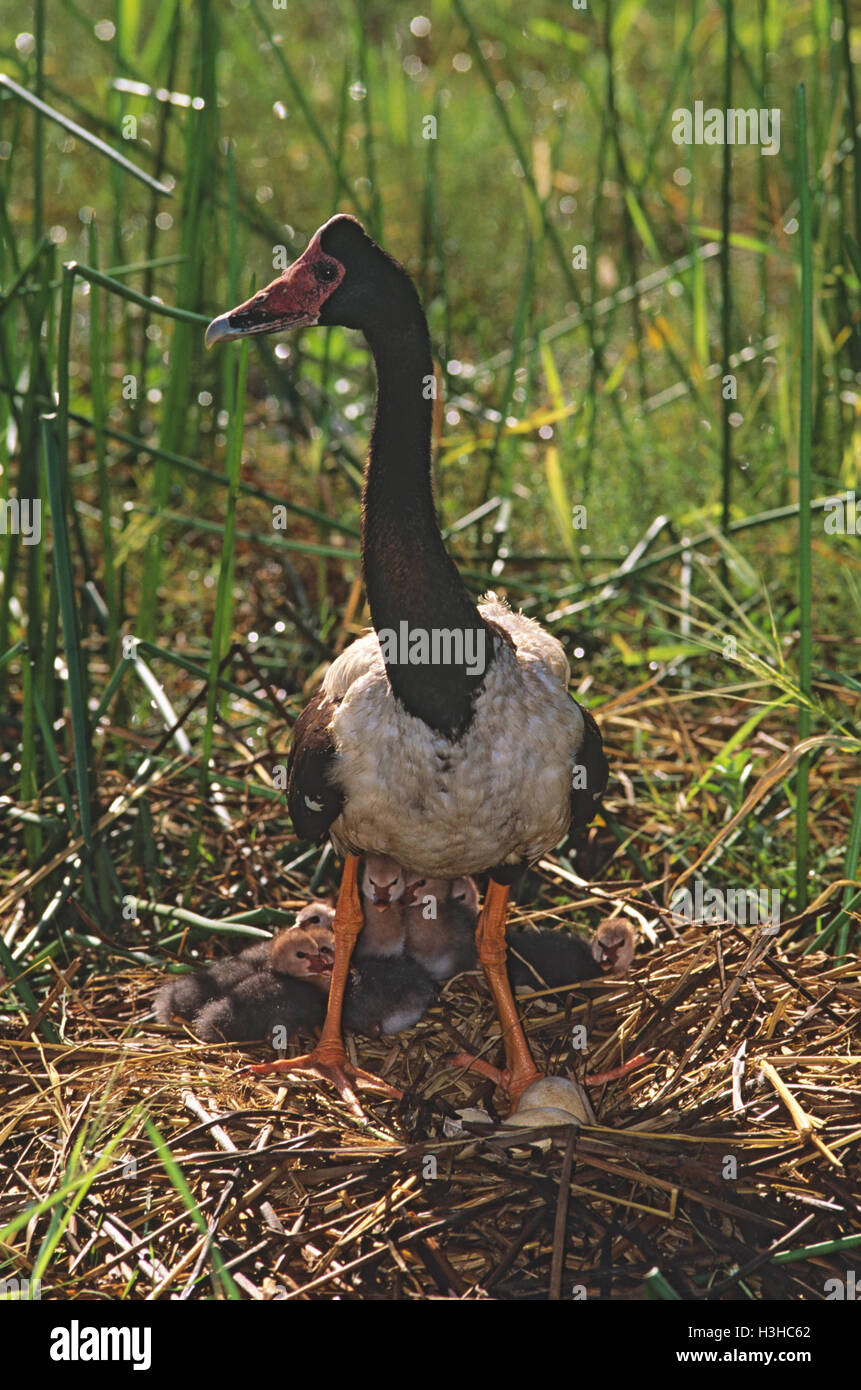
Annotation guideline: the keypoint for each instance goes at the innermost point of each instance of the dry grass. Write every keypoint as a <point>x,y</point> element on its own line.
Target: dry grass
<point>139,1163</point>
<point>753,1058</point>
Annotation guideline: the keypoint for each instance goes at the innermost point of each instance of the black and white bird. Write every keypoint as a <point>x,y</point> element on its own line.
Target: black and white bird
<point>445,738</point>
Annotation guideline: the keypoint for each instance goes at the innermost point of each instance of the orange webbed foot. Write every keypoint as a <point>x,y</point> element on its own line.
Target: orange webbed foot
<point>512,1081</point>
<point>334,1067</point>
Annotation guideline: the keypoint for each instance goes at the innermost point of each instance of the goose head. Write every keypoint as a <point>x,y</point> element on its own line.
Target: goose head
<point>342,277</point>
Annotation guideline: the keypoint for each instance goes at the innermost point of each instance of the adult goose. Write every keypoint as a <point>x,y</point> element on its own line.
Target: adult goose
<point>445,738</point>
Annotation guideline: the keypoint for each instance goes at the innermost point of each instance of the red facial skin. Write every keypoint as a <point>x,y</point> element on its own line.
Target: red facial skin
<point>292,301</point>
<point>613,939</point>
<point>296,952</point>
<point>382,894</point>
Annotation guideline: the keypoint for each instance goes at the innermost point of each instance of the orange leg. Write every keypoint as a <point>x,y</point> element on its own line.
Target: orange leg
<point>329,1060</point>
<point>478,1064</point>
<point>599,1078</point>
<point>593,1078</point>
<point>519,1070</point>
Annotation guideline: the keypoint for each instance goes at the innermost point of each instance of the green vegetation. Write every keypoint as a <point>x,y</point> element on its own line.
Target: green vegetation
<point>663,336</point>
<point>650,362</point>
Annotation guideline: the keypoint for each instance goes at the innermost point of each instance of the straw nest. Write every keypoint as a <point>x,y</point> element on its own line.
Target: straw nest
<point>725,1166</point>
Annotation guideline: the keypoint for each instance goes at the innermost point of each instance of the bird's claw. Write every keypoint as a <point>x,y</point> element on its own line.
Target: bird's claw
<point>508,1080</point>
<point>337,1069</point>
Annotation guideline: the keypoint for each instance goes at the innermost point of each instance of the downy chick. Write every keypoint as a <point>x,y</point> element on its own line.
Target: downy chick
<point>290,994</point>
<point>386,994</point>
<point>300,954</point>
<point>315,914</point>
<point>560,958</point>
<point>465,892</point>
<point>446,945</point>
<point>613,945</point>
<point>383,886</point>
<point>185,995</point>
<point>439,920</point>
<point>257,1006</point>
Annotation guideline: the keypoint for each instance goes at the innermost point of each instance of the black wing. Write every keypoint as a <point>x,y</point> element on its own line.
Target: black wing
<point>590,774</point>
<point>312,797</point>
<point>559,957</point>
<point>257,1006</point>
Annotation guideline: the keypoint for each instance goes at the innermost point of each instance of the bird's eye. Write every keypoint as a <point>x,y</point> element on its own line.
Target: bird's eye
<point>326,271</point>
<point>301,955</point>
<point>315,919</point>
<point>420,882</point>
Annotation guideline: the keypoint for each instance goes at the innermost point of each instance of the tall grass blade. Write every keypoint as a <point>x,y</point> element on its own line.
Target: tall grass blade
<point>224,595</point>
<point>850,870</point>
<point>538,205</point>
<point>97,389</point>
<point>313,122</point>
<point>38,127</point>
<point>221,1277</point>
<point>805,558</point>
<point>80,133</point>
<point>725,281</point>
<point>65,587</point>
<point>851,113</point>
<point>201,164</point>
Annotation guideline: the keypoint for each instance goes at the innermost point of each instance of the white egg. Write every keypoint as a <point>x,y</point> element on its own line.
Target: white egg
<point>557,1093</point>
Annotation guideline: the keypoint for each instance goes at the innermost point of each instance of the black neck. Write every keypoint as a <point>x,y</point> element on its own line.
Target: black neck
<point>410,578</point>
